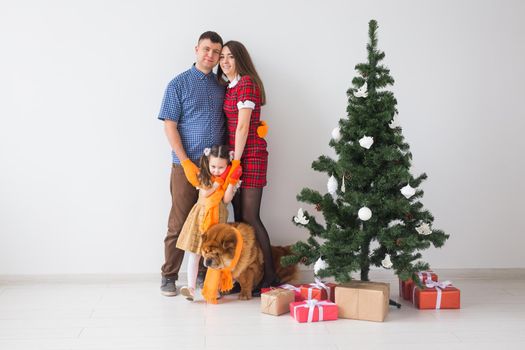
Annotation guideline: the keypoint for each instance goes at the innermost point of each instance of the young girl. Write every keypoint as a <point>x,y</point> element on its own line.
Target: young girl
<point>216,190</point>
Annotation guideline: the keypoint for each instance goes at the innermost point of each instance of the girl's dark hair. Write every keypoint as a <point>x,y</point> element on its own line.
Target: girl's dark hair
<point>243,65</point>
<point>219,151</point>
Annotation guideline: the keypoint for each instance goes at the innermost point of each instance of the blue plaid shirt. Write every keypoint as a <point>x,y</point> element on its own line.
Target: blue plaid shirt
<point>194,100</point>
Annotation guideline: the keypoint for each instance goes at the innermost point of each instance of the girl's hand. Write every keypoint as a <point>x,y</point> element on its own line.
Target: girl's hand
<point>222,178</point>
<point>234,175</point>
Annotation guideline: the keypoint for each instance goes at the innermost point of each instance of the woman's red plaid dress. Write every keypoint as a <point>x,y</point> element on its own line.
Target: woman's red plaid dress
<point>254,160</point>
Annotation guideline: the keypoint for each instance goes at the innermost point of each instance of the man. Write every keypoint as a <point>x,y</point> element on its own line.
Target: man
<point>193,120</point>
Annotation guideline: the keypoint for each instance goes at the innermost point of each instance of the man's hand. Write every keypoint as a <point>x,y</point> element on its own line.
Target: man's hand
<point>191,171</point>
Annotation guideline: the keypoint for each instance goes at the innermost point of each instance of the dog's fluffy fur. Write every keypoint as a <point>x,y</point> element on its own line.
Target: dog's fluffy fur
<point>218,249</point>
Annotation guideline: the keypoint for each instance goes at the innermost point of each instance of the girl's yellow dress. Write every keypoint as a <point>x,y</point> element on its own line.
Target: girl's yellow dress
<point>190,235</point>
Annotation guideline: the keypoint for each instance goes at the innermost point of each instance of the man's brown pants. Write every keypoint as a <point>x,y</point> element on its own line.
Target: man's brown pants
<point>183,198</point>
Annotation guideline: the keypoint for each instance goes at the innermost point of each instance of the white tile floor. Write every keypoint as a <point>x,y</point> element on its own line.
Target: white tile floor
<point>54,314</point>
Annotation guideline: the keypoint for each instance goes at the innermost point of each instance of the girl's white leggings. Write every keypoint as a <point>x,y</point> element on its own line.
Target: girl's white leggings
<point>193,268</point>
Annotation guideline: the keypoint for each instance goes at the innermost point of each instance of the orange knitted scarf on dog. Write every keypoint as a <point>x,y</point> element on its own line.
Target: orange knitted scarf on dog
<point>221,279</point>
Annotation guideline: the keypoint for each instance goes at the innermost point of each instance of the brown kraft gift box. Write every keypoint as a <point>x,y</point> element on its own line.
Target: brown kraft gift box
<point>277,301</point>
<point>363,300</point>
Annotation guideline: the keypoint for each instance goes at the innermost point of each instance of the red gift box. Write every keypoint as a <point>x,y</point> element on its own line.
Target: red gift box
<point>437,295</point>
<point>313,311</point>
<point>406,287</point>
<point>319,291</point>
<point>295,289</point>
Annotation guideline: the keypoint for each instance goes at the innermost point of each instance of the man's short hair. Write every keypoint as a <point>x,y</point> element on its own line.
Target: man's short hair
<point>213,36</point>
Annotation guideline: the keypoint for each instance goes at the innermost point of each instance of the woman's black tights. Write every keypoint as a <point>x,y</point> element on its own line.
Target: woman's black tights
<point>246,207</point>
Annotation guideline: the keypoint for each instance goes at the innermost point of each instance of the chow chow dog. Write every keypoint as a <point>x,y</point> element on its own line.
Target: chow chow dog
<point>218,249</point>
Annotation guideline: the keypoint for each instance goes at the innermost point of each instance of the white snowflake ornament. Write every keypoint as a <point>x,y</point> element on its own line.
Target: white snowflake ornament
<point>332,185</point>
<point>408,191</point>
<point>366,142</point>
<point>386,262</point>
<point>336,134</point>
<point>424,229</point>
<point>364,214</point>
<point>362,91</point>
<point>301,218</point>
<point>320,264</point>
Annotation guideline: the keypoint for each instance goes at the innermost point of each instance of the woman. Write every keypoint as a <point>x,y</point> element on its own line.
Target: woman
<point>242,107</point>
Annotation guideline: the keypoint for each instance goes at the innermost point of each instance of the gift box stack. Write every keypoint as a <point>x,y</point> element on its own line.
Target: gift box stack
<point>433,295</point>
<point>320,301</point>
<point>306,303</point>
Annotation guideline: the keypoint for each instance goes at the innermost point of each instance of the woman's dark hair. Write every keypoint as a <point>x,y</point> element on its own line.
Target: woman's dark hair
<point>218,151</point>
<point>243,65</point>
<point>214,37</point>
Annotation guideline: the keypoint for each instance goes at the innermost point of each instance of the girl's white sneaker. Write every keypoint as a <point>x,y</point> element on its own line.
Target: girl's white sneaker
<point>188,292</point>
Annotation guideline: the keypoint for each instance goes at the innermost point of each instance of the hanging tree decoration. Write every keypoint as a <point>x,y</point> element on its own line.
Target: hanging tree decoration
<point>408,191</point>
<point>301,218</point>
<point>343,187</point>
<point>320,264</point>
<point>424,229</point>
<point>366,142</point>
<point>362,91</point>
<point>386,262</point>
<point>364,214</point>
<point>332,185</point>
<point>336,134</point>
<point>394,123</point>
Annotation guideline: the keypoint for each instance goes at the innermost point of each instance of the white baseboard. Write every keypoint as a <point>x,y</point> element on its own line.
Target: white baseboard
<point>304,276</point>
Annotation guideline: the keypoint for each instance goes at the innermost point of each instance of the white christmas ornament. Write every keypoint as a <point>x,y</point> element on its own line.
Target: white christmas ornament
<point>394,123</point>
<point>408,191</point>
<point>395,222</point>
<point>336,134</point>
<point>332,185</point>
<point>361,92</point>
<point>320,264</point>
<point>386,262</point>
<point>343,187</point>
<point>364,213</point>
<point>424,229</point>
<point>300,218</point>
<point>366,141</point>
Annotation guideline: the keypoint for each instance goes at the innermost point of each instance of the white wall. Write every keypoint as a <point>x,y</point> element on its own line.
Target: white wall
<point>84,164</point>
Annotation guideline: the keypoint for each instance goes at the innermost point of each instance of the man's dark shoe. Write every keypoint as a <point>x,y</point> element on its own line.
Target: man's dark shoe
<point>168,287</point>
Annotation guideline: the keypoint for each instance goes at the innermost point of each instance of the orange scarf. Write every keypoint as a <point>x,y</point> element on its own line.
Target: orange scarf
<point>211,210</point>
<point>221,280</point>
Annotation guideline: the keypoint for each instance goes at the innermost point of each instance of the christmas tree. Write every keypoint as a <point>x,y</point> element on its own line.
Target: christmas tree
<point>372,213</point>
